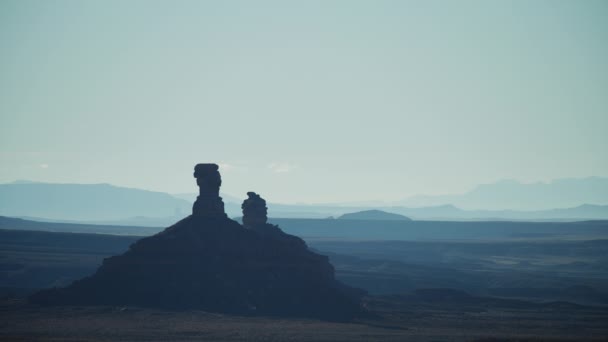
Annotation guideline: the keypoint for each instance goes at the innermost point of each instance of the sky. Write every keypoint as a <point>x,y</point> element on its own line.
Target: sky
<point>304,101</point>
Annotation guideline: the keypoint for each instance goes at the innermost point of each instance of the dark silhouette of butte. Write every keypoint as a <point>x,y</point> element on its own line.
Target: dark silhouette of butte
<point>210,262</point>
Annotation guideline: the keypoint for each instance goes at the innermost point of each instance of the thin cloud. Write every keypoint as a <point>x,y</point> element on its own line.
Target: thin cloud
<point>226,166</point>
<point>281,167</point>
<point>44,166</point>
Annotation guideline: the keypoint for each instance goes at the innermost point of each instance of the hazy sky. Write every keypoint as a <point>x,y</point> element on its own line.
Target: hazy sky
<point>308,101</point>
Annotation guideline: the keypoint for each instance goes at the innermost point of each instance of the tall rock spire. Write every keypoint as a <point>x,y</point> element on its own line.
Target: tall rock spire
<point>208,203</point>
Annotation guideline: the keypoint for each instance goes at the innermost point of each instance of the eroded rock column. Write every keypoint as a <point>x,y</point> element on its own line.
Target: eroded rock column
<point>255,212</point>
<point>208,203</point>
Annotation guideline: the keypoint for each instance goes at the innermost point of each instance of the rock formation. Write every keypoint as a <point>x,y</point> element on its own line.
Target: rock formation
<point>208,203</point>
<point>255,217</point>
<point>255,212</point>
<point>209,262</point>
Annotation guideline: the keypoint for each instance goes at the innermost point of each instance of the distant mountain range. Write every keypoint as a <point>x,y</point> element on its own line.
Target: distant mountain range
<point>514,195</point>
<point>444,212</point>
<point>86,202</point>
<point>108,204</point>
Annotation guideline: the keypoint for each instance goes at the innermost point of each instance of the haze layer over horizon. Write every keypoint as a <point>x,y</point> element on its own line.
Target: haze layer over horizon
<point>304,101</point>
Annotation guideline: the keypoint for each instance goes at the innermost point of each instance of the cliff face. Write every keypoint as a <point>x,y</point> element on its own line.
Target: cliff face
<point>207,261</point>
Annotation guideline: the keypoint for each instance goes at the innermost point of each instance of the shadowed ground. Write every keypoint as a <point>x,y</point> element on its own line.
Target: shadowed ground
<point>398,319</point>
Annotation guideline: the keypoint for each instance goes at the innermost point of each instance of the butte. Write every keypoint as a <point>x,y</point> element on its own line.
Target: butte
<point>209,262</point>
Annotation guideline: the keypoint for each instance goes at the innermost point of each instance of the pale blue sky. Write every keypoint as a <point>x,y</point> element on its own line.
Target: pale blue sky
<point>308,101</point>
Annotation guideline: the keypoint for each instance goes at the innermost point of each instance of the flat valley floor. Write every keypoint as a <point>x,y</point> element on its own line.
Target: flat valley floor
<point>395,322</point>
<point>513,282</point>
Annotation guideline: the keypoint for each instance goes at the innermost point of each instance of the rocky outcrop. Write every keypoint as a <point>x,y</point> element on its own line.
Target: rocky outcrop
<point>210,262</point>
<point>255,217</point>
